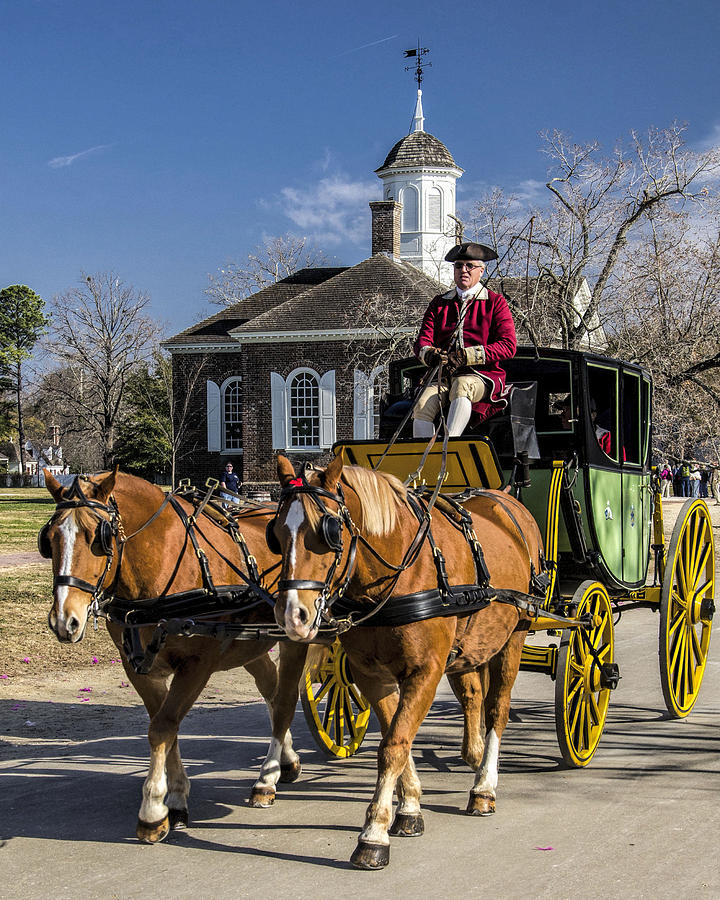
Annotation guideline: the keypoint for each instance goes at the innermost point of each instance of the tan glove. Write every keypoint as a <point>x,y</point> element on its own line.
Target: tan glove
<point>432,356</point>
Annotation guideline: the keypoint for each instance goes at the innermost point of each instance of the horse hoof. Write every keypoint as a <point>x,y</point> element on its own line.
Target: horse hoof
<point>370,856</point>
<point>290,772</point>
<point>407,825</point>
<point>481,805</point>
<point>178,818</point>
<point>152,832</point>
<point>261,798</point>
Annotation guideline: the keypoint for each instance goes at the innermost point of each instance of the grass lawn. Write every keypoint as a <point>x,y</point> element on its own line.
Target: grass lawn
<point>27,646</point>
<point>20,522</point>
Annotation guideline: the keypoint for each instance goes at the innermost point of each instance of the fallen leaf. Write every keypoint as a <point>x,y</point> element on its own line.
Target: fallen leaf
<point>543,848</point>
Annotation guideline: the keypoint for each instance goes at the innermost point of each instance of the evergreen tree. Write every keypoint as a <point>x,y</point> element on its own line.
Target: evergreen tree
<point>22,321</point>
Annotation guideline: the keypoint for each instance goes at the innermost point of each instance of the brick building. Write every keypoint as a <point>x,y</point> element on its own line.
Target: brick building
<point>276,372</point>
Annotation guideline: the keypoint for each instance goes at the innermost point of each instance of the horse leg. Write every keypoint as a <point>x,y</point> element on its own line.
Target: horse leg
<point>282,762</point>
<point>153,690</point>
<point>154,816</point>
<point>470,688</point>
<point>503,669</point>
<point>395,765</point>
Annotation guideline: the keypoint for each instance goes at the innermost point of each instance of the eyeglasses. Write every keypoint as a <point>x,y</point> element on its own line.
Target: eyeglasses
<point>468,266</point>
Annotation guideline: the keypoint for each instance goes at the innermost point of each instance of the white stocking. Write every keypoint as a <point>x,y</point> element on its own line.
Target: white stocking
<point>423,429</point>
<point>458,416</point>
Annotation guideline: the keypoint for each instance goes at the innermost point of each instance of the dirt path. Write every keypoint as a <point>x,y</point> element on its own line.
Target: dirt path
<point>20,558</point>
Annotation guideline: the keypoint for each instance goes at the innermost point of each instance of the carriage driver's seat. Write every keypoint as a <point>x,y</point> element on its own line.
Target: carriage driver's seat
<point>513,431</point>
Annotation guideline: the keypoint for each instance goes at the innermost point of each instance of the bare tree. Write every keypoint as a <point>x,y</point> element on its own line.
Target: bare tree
<point>667,317</point>
<point>276,258</point>
<point>182,396</point>
<point>597,205</point>
<point>100,333</point>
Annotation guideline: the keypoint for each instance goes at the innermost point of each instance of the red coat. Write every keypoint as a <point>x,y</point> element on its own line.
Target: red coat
<point>489,323</point>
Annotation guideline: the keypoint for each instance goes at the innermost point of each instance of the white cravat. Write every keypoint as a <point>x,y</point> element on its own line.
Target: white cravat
<point>466,298</point>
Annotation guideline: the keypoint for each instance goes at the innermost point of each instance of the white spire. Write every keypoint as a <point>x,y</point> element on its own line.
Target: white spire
<point>418,118</point>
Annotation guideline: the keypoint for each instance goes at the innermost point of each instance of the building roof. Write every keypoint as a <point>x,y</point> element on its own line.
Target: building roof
<point>329,306</point>
<point>215,328</point>
<point>418,149</point>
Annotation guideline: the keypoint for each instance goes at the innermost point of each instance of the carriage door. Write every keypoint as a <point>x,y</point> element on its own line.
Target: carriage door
<point>636,501</point>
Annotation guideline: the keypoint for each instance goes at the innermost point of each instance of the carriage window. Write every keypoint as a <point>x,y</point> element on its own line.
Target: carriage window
<point>554,390</point>
<point>645,413</point>
<point>603,391</point>
<point>304,418</point>
<point>232,414</point>
<point>632,418</point>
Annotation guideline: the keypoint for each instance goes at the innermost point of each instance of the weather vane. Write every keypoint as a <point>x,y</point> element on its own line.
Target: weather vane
<point>418,53</point>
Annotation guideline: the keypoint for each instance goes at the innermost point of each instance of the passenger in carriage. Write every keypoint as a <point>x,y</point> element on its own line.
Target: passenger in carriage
<point>603,435</point>
<point>470,330</point>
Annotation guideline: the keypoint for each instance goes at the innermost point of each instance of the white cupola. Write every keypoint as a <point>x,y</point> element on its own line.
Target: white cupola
<point>420,174</point>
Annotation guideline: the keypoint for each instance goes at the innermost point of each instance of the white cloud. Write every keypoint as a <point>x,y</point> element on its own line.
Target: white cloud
<point>331,210</point>
<point>58,162</point>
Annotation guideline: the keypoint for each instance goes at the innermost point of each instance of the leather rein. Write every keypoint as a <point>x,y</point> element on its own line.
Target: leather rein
<point>104,600</point>
<point>328,596</point>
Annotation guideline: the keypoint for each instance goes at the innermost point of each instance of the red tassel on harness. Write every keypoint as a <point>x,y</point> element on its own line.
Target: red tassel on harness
<point>296,482</point>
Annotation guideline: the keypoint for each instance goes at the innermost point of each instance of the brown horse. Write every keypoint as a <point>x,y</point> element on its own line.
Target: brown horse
<point>398,667</point>
<point>117,534</point>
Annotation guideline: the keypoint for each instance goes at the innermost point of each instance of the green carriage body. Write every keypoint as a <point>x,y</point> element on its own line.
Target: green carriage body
<point>600,513</point>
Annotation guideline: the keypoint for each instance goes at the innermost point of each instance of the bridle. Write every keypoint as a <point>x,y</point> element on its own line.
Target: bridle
<point>109,532</point>
<point>332,526</point>
<point>331,530</point>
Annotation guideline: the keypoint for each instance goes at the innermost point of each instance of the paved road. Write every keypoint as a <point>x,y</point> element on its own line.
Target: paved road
<point>641,821</point>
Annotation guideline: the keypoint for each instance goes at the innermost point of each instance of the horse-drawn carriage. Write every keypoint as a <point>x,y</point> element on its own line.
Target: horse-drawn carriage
<point>601,516</point>
<point>568,526</point>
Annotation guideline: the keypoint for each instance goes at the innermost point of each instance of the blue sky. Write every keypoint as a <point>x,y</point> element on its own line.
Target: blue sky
<point>161,139</point>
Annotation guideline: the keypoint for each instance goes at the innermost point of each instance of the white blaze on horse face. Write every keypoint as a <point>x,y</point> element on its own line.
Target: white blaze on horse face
<point>69,531</point>
<point>294,625</point>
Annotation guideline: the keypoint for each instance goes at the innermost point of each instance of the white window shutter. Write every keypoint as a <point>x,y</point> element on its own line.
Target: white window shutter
<point>279,416</point>
<point>213,416</point>
<point>327,409</point>
<point>361,398</point>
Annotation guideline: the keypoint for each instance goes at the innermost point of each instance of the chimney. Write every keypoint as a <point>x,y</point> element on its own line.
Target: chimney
<point>386,227</point>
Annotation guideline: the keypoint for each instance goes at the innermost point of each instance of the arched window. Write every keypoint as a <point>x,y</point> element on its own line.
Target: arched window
<point>232,414</point>
<point>409,200</point>
<point>434,210</point>
<point>303,410</point>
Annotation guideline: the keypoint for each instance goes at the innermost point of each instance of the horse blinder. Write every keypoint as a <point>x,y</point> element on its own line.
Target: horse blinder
<point>102,539</point>
<point>271,539</point>
<point>331,529</point>
<point>44,547</point>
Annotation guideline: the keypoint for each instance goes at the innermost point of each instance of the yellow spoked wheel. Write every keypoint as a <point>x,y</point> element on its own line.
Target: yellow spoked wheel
<point>336,711</point>
<point>686,608</point>
<point>585,675</point>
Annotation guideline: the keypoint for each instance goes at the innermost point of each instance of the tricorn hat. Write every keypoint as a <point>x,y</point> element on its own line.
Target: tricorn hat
<point>469,251</point>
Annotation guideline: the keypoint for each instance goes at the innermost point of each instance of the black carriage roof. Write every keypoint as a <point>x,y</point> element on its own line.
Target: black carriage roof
<point>578,356</point>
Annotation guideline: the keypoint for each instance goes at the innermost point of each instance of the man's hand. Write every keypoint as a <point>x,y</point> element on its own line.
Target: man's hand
<point>457,359</point>
<point>433,357</point>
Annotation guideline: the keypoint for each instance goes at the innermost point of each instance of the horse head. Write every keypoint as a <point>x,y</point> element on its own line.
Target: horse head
<point>308,532</point>
<point>80,539</point>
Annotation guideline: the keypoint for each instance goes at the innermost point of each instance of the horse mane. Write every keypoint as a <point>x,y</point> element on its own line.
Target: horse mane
<point>380,495</point>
